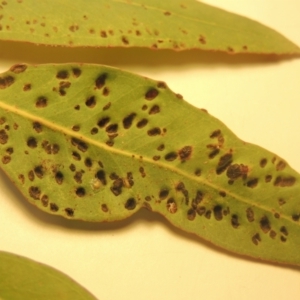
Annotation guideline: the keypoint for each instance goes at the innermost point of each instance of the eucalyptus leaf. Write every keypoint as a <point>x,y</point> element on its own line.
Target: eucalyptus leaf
<point>96,143</point>
<point>169,24</point>
<point>22,278</point>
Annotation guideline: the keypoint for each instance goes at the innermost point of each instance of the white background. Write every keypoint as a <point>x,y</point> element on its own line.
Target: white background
<point>145,257</point>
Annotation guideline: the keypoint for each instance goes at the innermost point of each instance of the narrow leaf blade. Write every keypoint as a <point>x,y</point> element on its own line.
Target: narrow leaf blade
<point>22,278</point>
<point>144,23</point>
<point>95,143</point>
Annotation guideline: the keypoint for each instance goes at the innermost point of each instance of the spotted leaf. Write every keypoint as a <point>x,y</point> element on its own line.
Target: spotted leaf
<point>95,143</point>
<point>155,24</point>
<point>23,278</point>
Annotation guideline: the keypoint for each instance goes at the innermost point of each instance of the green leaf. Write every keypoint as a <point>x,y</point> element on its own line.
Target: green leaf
<point>95,143</point>
<point>22,278</point>
<point>157,24</point>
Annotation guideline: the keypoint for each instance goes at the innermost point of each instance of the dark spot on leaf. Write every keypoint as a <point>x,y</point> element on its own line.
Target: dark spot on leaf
<point>198,172</point>
<point>268,178</point>
<point>76,155</point>
<point>104,208</point>
<point>296,217</point>
<point>39,172</point>
<point>222,194</point>
<point>191,214</point>
<point>215,133</point>
<point>116,187</point>
<point>148,198</point>
<point>106,106</point>
<point>82,146</point>
<point>19,68</point>
<point>112,128</point>
<point>70,212</point>
<point>235,221</point>
<point>88,162</point>
<point>91,102</point>
<point>125,40</point>
<point>31,175</point>
<point>77,107</point>
<point>110,143</point>
<point>265,224</point>
<point>171,156</point>
<point>45,200</point>
<point>142,171</point>
<point>235,171</point>
<point>224,162</point>
<point>142,123</point>
<point>163,194</point>
<point>101,176</point>
<point>213,153</point>
<point>281,201</point>
<point>185,153</point>
<point>280,165</point>
<point>94,130</point>
<point>161,85</point>
<point>283,239</point>
<point>80,192</point>
<point>197,200</point>
<point>154,110</point>
<point>208,214</point>
<point>100,81</point>
<point>154,131</point>
<point>72,167</point>
<point>76,128</point>
<point>3,137</point>
<point>252,183</point>
<point>202,39</point>
<point>31,142</point>
<point>272,234</point>
<point>263,162</point>
<point>53,207</point>
<point>59,177</point>
<point>34,192</point>
<point>10,150</point>
<point>76,72</point>
<point>218,212</point>
<point>256,239</point>
<point>130,204</point>
<point>6,81</point>
<point>41,102</point>
<point>284,181</point>
<point>63,74</point>
<point>37,127</point>
<point>284,230</point>
<point>161,147</point>
<point>151,94</point>
<point>103,121</point>
<point>171,206</point>
<point>167,13</point>
<point>27,87</point>
<point>250,214</point>
<point>156,157</point>
<point>201,210</point>
<point>6,159</point>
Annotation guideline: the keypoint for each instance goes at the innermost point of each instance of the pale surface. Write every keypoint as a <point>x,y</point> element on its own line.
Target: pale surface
<point>144,257</point>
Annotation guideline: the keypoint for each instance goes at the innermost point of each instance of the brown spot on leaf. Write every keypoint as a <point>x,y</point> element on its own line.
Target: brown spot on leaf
<point>19,68</point>
<point>130,204</point>
<point>224,162</point>
<point>185,153</point>
<point>3,137</point>
<point>235,221</point>
<point>100,81</point>
<point>256,239</point>
<point>142,123</point>
<point>191,214</point>
<point>252,183</point>
<point>250,214</point>
<point>154,131</point>
<point>41,102</point>
<point>284,181</point>
<point>80,192</point>
<point>163,194</point>
<point>171,156</point>
<point>263,162</point>
<point>236,170</point>
<point>151,94</point>
<point>5,82</point>
<point>34,192</point>
<point>218,212</point>
<point>265,224</point>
